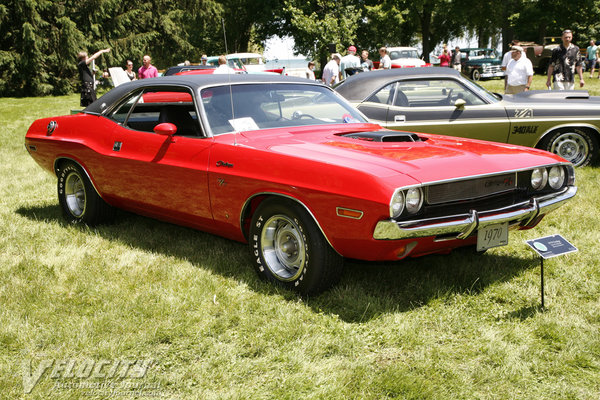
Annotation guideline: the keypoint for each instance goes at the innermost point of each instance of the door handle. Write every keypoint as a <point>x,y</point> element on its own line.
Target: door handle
<point>399,118</point>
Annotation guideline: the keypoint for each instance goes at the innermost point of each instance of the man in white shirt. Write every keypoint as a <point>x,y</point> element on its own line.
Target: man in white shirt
<point>223,68</point>
<point>350,60</point>
<point>331,72</point>
<point>519,72</point>
<point>385,62</point>
<point>508,55</point>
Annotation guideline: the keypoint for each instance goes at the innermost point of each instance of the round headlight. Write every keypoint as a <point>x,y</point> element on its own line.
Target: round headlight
<point>397,204</point>
<point>556,177</point>
<point>414,200</point>
<point>539,177</point>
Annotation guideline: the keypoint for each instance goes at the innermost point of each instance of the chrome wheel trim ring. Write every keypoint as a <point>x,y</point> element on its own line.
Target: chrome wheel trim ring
<point>283,247</point>
<point>75,197</point>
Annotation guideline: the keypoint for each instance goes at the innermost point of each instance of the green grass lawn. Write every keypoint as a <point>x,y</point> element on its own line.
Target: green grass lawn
<point>460,326</point>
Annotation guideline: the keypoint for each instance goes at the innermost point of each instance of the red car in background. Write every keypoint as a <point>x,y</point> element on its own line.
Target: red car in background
<point>292,169</point>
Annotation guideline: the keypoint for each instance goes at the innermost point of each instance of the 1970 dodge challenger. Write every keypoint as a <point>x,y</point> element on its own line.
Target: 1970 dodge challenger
<point>441,100</point>
<point>291,168</point>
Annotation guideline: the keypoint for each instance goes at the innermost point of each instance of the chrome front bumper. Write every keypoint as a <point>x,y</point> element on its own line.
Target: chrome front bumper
<point>461,226</point>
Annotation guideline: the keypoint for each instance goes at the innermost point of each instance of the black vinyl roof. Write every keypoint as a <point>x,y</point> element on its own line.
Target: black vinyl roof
<point>191,81</point>
<point>358,86</point>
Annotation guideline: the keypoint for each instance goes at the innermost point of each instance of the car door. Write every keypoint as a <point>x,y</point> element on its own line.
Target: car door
<point>158,175</point>
<point>444,106</point>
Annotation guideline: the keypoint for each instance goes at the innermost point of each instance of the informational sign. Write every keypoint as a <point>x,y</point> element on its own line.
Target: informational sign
<point>551,246</point>
<point>118,75</point>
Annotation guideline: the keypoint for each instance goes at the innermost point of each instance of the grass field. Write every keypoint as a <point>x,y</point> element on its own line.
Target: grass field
<point>460,326</point>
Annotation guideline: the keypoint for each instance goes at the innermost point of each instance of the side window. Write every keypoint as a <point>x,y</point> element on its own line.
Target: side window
<point>142,111</point>
<point>120,113</point>
<point>385,95</point>
<point>433,93</point>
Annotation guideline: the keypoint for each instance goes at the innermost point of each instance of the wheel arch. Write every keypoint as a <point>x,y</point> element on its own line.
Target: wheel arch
<point>589,127</point>
<point>63,159</point>
<point>252,203</point>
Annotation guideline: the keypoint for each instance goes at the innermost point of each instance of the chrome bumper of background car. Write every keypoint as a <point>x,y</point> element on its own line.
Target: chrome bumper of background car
<point>461,226</point>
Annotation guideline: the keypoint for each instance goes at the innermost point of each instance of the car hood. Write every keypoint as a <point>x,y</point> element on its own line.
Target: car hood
<point>408,62</point>
<point>433,158</point>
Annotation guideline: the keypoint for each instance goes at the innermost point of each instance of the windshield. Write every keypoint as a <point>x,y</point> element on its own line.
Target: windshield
<point>394,55</point>
<point>264,106</point>
<point>483,92</point>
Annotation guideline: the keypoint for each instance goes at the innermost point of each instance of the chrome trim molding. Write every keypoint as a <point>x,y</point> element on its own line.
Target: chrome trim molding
<point>247,203</point>
<point>463,225</point>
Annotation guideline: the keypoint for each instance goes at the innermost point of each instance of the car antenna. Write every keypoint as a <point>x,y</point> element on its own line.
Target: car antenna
<point>235,131</point>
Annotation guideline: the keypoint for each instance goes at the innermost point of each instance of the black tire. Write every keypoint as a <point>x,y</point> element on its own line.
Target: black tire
<point>78,199</point>
<point>579,146</point>
<point>476,75</point>
<point>290,250</point>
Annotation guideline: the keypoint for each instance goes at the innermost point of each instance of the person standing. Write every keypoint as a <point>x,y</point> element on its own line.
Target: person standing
<point>508,55</point>
<point>223,68</point>
<point>592,57</point>
<point>385,62</point>
<point>366,64</point>
<point>350,60</point>
<point>203,59</point>
<point>88,91</point>
<point>147,70</point>
<point>310,71</point>
<point>331,72</point>
<point>565,60</point>
<point>456,59</point>
<point>444,58</point>
<point>129,71</point>
<point>519,72</point>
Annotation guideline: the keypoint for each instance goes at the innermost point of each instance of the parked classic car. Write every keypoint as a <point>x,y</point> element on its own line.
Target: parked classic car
<point>440,100</point>
<point>403,57</point>
<point>481,63</point>
<point>294,170</point>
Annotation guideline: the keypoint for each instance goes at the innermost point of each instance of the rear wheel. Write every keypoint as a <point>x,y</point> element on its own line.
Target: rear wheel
<point>290,250</point>
<point>78,198</point>
<point>577,146</point>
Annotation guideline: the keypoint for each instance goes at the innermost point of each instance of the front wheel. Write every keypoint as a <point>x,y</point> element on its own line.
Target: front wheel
<point>78,198</point>
<point>290,250</point>
<point>578,146</point>
<point>476,75</point>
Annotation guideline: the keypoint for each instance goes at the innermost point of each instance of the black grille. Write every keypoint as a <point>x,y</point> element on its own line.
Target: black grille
<point>470,189</point>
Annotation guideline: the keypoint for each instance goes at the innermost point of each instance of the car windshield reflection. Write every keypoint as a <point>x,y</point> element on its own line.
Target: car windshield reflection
<point>257,106</point>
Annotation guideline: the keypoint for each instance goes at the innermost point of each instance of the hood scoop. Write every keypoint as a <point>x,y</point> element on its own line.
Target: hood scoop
<point>384,136</point>
<point>554,94</point>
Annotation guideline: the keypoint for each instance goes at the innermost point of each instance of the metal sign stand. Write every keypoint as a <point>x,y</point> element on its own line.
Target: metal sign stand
<point>542,280</point>
<point>548,247</point>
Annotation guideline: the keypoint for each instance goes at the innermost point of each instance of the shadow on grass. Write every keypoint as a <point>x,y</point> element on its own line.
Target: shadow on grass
<point>366,290</point>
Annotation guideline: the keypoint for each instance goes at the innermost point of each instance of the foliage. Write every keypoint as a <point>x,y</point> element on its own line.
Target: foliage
<point>39,39</point>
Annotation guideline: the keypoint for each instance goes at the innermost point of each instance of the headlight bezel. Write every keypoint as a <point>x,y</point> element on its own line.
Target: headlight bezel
<point>397,203</point>
<point>562,177</point>
<point>413,208</point>
<point>540,181</point>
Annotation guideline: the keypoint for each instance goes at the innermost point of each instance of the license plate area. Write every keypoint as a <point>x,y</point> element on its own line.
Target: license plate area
<point>492,236</point>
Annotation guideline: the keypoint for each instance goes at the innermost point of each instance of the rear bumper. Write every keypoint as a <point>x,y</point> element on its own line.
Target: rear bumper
<point>462,226</point>
<point>499,74</point>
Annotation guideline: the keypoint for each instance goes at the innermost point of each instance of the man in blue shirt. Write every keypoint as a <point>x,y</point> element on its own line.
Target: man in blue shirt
<point>592,57</point>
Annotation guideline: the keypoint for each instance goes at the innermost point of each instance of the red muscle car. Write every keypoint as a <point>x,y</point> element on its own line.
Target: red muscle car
<point>291,168</point>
